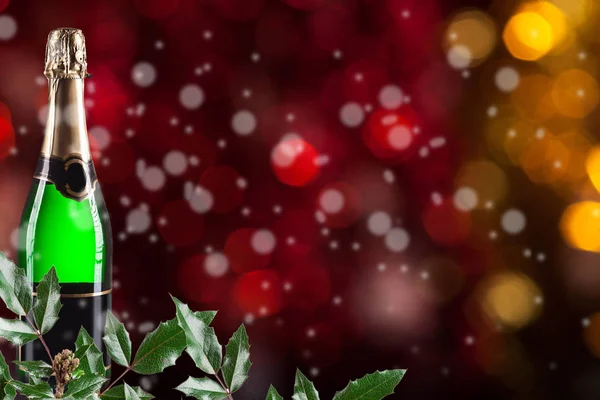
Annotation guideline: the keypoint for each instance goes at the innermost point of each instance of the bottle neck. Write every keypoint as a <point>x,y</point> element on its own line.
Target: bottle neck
<point>66,131</point>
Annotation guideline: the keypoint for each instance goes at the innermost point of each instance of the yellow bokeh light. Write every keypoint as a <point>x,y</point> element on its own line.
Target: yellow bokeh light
<point>528,36</point>
<point>533,98</point>
<point>592,166</point>
<point>591,334</point>
<point>575,93</point>
<point>473,30</point>
<point>511,299</point>
<point>486,178</point>
<point>553,15</point>
<point>580,225</point>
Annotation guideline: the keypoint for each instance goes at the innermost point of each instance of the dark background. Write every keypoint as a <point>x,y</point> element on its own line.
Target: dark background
<point>330,298</point>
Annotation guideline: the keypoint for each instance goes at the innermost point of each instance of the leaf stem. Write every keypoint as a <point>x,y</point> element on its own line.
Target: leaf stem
<point>223,385</point>
<point>116,380</point>
<point>39,335</point>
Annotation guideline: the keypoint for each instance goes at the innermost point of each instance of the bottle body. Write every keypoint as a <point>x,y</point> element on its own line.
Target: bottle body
<point>65,224</point>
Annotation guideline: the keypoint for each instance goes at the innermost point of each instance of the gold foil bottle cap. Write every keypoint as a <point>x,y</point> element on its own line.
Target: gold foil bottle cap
<point>65,54</point>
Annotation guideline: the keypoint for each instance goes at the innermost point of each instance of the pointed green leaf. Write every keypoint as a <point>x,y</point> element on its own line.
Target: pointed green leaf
<point>7,392</point>
<point>15,287</point>
<point>84,387</point>
<point>118,393</point>
<point>202,388</point>
<point>16,331</point>
<point>90,357</point>
<point>47,305</point>
<point>37,369</point>
<point>373,386</point>
<point>83,338</point>
<point>130,393</point>
<point>159,349</point>
<point>40,390</point>
<point>304,389</point>
<point>202,343</point>
<point>237,360</point>
<point>4,369</point>
<point>272,394</point>
<point>117,340</point>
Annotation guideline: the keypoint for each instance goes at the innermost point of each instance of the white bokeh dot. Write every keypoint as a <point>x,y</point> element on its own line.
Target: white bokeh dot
<point>459,57</point>
<point>397,240</point>
<point>513,221</point>
<point>191,96</point>
<point>153,178</point>
<point>263,241</point>
<point>200,199</point>
<point>216,264</point>
<point>390,97</point>
<point>352,115</point>
<point>507,79</point>
<point>138,220</point>
<point>143,74</point>
<point>465,199</point>
<point>243,122</point>
<point>332,201</point>
<point>400,137</point>
<point>379,223</point>
<point>101,135</point>
<point>175,162</point>
<point>8,27</point>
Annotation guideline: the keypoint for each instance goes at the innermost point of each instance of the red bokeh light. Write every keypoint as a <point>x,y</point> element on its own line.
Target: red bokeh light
<point>259,293</point>
<point>221,182</point>
<point>179,225</point>
<point>294,162</point>
<point>445,224</point>
<point>341,204</point>
<point>390,134</point>
<point>4,4</point>
<point>4,110</point>
<point>7,137</point>
<point>196,285</point>
<point>242,256</point>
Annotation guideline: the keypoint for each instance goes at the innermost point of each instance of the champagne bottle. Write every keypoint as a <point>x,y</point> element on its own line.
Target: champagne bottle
<point>65,223</point>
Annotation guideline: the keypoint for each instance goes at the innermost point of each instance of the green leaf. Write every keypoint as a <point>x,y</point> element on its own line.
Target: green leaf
<point>118,393</point>
<point>117,341</point>
<point>15,287</point>
<point>272,394</point>
<point>84,387</point>
<point>47,305</point>
<point>38,369</point>
<point>40,390</point>
<point>90,357</point>
<point>202,388</point>
<point>159,349</point>
<point>373,386</point>
<point>237,360</point>
<point>130,393</point>
<point>202,343</point>
<point>16,331</point>
<point>304,389</point>
<point>4,369</point>
<point>7,392</point>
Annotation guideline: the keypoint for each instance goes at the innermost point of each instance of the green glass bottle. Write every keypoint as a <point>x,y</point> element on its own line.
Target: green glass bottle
<point>65,223</point>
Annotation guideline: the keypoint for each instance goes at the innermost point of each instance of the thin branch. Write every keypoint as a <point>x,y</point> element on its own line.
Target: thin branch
<point>39,335</point>
<point>223,385</point>
<point>116,380</point>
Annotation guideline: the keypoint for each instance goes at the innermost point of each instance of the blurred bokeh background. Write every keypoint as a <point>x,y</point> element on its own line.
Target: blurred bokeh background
<point>366,184</point>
